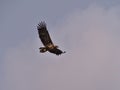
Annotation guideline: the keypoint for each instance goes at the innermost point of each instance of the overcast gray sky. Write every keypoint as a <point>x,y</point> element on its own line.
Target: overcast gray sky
<point>88,30</point>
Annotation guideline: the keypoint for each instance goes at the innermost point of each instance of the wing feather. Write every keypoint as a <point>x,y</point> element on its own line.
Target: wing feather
<point>56,51</point>
<point>43,34</point>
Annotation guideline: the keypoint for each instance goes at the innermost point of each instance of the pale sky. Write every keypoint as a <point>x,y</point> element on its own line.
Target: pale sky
<point>88,30</point>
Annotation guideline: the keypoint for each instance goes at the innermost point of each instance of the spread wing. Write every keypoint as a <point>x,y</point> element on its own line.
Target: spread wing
<point>43,34</point>
<point>56,51</point>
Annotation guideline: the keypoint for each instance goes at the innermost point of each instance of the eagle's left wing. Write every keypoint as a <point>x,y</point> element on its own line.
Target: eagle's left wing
<point>43,34</point>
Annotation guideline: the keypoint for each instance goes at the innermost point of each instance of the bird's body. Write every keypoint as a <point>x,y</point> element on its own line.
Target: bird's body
<point>46,40</point>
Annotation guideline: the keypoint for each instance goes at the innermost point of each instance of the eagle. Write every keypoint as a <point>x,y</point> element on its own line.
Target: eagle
<point>46,40</point>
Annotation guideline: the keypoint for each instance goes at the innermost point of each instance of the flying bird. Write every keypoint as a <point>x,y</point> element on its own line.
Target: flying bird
<point>46,40</point>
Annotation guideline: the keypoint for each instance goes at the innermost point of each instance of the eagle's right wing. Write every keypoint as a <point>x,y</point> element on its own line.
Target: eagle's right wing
<point>56,51</point>
<point>43,34</point>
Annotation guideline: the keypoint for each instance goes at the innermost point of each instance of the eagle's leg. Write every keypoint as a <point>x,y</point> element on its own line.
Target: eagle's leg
<point>42,49</point>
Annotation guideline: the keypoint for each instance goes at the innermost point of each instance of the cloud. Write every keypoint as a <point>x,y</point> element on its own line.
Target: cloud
<point>91,39</point>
